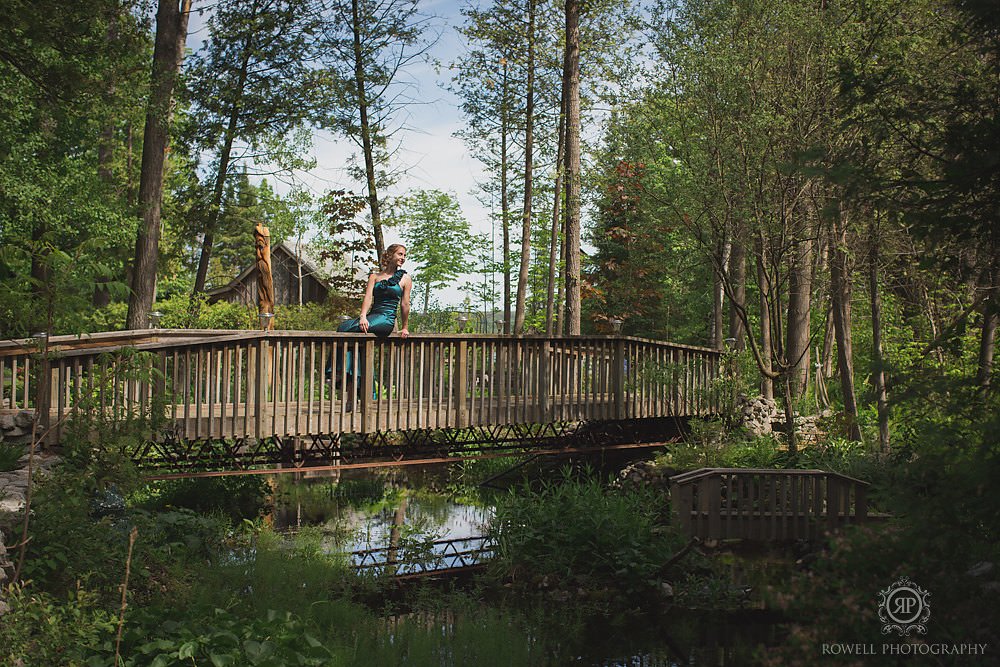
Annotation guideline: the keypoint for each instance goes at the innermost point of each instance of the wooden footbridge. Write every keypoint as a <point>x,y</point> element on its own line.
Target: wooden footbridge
<point>239,398</point>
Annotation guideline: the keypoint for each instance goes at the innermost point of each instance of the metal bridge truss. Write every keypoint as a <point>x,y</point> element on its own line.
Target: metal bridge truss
<point>174,453</point>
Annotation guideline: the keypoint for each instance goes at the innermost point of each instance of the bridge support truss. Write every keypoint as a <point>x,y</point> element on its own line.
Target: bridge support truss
<point>399,446</point>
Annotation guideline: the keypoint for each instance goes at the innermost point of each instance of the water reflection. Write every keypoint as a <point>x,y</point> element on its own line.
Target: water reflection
<point>366,510</point>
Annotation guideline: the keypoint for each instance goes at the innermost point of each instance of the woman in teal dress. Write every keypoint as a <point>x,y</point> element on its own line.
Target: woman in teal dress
<point>386,291</point>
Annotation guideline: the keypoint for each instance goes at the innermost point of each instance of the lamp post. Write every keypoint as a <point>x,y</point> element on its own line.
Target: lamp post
<point>616,325</point>
<point>154,319</point>
<point>462,320</point>
<point>265,320</point>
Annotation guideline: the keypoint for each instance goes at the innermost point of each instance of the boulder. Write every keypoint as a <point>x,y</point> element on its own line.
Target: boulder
<point>24,419</point>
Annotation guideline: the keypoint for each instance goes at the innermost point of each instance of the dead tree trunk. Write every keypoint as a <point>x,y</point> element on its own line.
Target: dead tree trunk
<point>265,281</point>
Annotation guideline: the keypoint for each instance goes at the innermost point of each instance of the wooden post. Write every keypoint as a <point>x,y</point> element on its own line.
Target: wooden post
<point>461,385</point>
<point>618,377</point>
<point>860,502</point>
<point>265,282</point>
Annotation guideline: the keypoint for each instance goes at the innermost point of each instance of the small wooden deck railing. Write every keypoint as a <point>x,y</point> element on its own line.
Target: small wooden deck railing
<point>766,504</point>
<point>217,385</point>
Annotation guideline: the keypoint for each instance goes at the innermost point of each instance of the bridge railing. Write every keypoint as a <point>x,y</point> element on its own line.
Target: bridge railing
<point>216,385</point>
<point>766,504</point>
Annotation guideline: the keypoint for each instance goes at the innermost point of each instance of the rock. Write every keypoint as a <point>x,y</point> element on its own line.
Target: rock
<point>12,501</point>
<point>756,414</point>
<point>24,419</point>
<point>643,474</point>
<point>980,569</point>
<point>991,587</point>
<point>666,590</point>
<point>6,423</point>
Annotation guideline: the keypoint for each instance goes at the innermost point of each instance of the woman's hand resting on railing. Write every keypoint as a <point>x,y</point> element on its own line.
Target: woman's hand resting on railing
<point>404,332</point>
<point>363,324</point>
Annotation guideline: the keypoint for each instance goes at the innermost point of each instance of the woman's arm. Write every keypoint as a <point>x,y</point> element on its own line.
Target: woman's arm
<point>404,306</point>
<point>366,303</point>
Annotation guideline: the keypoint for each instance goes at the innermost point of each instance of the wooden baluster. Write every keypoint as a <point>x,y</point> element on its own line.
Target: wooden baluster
<point>257,381</point>
<point>618,378</point>
<point>367,405</point>
<point>421,383</point>
<point>462,383</point>
<point>236,392</point>
<point>312,427</point>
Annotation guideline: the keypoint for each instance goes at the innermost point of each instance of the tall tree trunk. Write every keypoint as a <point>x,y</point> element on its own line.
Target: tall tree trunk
<point>878,374</point>
<point>764,297</point>
<point>219,190</point>
<point>105,155</point>
<point>738,280</point>
<point>561,282</point>
<point>799,310</point>
<point>840,290</point>
<point>571,79</point>
<point>719,291</point>
<point>168,53</point>
<point>991,318</point>
<point>360,82</point>
<point>791,435</point>
<point>555,247</point>
<point>504,204</point>
<point>826,361</point>
<point>522,278</point>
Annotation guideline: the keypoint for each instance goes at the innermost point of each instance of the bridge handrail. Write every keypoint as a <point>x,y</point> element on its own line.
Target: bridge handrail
<point>233,384</point>
<point>700,473</point>
<point>108,340</point>
<point>150,339</point>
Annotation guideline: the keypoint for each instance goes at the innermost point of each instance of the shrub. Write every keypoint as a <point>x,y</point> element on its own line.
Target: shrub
<point>10,455</point>
<point>237,497</point>
<point>577,534</point>
<point>41,629</point>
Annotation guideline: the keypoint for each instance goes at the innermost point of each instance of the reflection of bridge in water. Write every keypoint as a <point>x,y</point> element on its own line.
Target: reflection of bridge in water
<point>422,558</point>
<point>231,399</point>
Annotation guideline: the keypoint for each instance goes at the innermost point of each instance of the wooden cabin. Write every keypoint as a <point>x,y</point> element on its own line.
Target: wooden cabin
<point>289,269</point>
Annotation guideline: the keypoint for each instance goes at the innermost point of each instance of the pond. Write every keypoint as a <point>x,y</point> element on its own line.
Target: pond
<point>360,511</point>
<point>369,509</point>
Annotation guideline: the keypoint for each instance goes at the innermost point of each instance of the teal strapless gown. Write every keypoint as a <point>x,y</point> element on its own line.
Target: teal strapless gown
<point>386,296</point>
<point>382,316</point>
